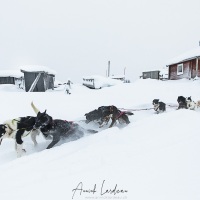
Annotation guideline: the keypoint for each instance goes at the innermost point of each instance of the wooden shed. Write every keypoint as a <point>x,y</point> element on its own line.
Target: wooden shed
<point>154,74</point>
<point>14,77</point>
<point>38,79</point>
<point>186,65</point>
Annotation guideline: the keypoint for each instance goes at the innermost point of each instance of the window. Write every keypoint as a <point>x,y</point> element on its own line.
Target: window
<point>179,69</point>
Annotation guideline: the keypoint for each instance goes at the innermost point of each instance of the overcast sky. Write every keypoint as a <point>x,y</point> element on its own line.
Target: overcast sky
<point>78,37</point>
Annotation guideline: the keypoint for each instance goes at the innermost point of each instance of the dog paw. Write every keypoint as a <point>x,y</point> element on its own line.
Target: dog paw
<point>20,150</point>
<point>21,153</point>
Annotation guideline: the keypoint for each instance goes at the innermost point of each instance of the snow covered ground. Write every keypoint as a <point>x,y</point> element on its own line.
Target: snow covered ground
<point>155,157</point>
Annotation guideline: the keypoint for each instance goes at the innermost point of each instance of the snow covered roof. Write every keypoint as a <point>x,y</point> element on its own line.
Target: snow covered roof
<point>189,55</point>
<point>11,73</point>
<point>101,81</point>
<point>37,68</point>
<point>151,70</point>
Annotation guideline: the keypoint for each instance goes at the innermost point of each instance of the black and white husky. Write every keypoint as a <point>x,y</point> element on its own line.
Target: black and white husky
<point>159,106</point>
<point>17,129</point>
<point>192,105</point>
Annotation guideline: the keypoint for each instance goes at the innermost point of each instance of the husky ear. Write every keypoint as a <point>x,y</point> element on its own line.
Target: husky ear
<point>45,111</point>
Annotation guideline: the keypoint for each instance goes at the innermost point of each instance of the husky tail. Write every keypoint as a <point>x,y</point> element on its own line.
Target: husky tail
<point>91,131</point>
<point>129,113</point>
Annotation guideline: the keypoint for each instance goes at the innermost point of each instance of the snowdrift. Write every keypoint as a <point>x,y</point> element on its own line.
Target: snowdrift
<point>155,157</point>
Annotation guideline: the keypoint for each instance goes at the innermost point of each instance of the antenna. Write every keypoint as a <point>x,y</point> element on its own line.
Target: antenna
<point>124,71</point>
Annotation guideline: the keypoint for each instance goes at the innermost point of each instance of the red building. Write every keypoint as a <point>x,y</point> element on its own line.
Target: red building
<point>186,65</point>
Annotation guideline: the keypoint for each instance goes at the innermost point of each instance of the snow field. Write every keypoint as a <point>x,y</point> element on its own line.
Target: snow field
<point>155,157</point>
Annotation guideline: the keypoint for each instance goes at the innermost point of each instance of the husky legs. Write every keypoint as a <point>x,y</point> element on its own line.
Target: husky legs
<point>19,149</point>
<point>19,143</point>
<point>34,133</point>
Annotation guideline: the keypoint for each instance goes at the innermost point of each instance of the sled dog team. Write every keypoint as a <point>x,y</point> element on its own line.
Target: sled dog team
<point>58,129</point>
<point>54,129</point>
<point>183,102</point>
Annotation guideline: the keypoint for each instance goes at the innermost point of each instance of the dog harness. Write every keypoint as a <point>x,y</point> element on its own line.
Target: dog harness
<point>120,114</point>
<point>156,107</point>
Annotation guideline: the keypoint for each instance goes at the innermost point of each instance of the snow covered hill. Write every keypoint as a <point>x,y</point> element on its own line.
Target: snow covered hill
<point>156,157</point>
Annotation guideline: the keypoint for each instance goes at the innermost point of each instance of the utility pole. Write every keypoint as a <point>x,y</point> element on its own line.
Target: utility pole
<point>108,68</point>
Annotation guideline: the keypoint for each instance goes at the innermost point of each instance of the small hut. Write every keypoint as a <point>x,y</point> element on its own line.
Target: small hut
<point>14,77</point>
<point>38,78</point>
<point>154,74</point>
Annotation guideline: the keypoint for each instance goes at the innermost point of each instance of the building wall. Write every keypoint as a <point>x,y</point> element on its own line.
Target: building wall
<point>49,82</point>
<point>7,80</point>
<point>198,74</point>
<point>173,71</point>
